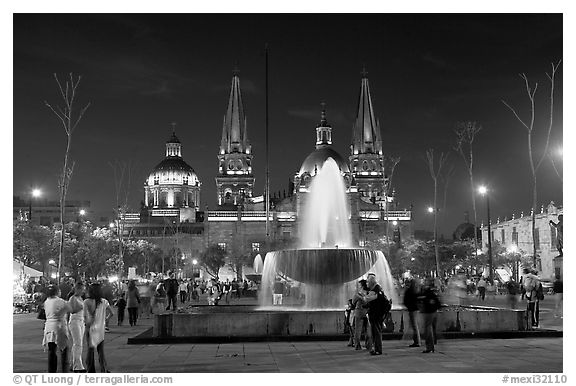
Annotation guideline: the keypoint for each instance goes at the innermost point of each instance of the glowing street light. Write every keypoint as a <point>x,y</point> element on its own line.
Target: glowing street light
<point>430,209</point>
<point>34,193</point>
<point>82,212</point>
<point>483,190</point>
<point>194,261</point>
<point>112,225</point>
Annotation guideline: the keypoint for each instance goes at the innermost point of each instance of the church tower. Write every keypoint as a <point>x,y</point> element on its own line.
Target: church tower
<point>235,181</point>
<point>366,159</point>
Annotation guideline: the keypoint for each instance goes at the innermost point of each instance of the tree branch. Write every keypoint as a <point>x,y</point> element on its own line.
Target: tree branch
<point>516,115</point>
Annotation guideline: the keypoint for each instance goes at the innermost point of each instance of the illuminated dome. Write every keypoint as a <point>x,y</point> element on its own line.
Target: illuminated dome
<point>172,183</point>
<point>173,170</point>
<point>323,151</point>
<point>316,159</point>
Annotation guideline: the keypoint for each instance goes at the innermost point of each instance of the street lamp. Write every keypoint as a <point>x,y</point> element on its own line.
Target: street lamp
<point>484,191</point>
<point>430,209</point>
<point>35,193</point>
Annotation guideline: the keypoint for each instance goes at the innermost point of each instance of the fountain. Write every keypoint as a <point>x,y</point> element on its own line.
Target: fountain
<point>327,266</point>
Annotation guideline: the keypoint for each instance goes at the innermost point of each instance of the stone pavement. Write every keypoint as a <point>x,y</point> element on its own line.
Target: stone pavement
<point>526,355</point>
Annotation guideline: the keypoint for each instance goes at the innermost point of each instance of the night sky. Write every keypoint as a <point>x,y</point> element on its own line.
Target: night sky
<point>426,72</point>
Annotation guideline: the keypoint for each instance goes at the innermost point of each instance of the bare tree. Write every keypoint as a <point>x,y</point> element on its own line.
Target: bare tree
<point>465,134</point>
<point>446,179</point>
<point>529,126</point>
<point>558,173</point>
<point>70,120</point>
<point>122,183</point>
<point>435,173</point>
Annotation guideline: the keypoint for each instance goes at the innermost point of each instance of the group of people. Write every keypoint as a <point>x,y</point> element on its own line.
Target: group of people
<point>369,307</point>
<point>70,323</point>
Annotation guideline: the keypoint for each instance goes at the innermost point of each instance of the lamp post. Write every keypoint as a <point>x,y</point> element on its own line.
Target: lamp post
<point>484,191</point>
<point>34,193</point>
<point>194,262</point>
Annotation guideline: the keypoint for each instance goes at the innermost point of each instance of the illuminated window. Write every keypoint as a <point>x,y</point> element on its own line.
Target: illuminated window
<point>222,246</point>
<point>256,247</point>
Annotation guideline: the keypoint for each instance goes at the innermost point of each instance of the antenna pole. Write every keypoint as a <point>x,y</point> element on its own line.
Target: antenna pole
<point>267,188</point>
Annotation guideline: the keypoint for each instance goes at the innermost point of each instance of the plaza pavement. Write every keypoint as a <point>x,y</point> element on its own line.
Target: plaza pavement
<point>524,355</point>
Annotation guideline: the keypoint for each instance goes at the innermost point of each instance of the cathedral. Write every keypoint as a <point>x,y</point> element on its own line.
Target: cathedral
<point>172,215</point>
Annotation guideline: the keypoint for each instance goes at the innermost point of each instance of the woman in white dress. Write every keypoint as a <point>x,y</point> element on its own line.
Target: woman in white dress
<point>76,327</point>
<point>55,329</point>
<point>96,311</point>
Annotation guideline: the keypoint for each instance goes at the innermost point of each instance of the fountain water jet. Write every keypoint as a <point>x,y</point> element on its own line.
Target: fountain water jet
<point>326,266</point>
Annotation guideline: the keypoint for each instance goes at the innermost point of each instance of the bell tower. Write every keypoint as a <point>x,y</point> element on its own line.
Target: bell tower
<point>235,181</point>
<point>366,159</point>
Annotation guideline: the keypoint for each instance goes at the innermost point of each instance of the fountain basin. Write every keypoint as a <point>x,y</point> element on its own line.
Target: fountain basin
<point>246,322</point>
<point>323,266</point>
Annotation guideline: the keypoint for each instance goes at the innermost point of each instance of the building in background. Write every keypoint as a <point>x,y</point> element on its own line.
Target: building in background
<point>516,234</point>
<point>171,216</point>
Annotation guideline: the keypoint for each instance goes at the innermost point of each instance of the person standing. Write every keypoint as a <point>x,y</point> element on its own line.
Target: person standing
<point>121,304</point>
<point>512,295</point>
<point>430,306</point>
<point>530,284</point>
<point>481,285</point>
<point>411,304</point>
<point>145,301</point>
<point>76,326</point>
<point>278,291</point>
<point>132,302</point>
<point>183,291</point>
<point>558,291</point>
<point>96,311</point>
<point>360,323</point>
<point>172,291</point>
<point>55,331</point>
<point>375,299</point>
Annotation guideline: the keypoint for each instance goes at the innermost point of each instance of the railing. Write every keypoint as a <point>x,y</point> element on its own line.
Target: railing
<point>374,215</point>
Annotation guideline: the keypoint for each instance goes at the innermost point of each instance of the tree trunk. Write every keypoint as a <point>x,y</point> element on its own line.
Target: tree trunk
<point>474,210</point>
<point>534,203</point>
<point>63,191</point>
<point>436,251</point>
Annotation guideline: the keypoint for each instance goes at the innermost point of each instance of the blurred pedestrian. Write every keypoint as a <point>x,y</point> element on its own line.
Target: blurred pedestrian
<point>121,305</point>
<point>132,302</point>
<point>411,303</point>
<point>558,291</point>
<point>348,322</point>
<point>55,329</point>
<point>512,288</point>
<point>430,305</point>
<point>96,311</point>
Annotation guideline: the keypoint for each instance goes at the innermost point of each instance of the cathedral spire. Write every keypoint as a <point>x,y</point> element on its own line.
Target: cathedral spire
<point>323,130</point>
<point>235,180</point>
<point>366,131</point>
<point>234,133</point>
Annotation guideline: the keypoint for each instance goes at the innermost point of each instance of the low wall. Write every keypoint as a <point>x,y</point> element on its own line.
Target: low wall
<point>231,323</point>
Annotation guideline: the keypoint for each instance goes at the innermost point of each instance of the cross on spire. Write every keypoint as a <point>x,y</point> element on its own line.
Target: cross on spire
<point>364,73</point>
<point>173,127</point>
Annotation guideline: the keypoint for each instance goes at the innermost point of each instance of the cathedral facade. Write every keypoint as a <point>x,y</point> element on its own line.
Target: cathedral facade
<point>172,216</point>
